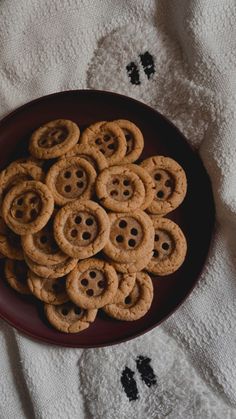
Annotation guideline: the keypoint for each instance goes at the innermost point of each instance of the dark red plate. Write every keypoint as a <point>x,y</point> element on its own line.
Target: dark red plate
<point>195,216</point>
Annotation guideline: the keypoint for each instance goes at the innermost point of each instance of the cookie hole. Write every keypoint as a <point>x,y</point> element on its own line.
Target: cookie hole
<point>65,311</point>
<point>43,142</point>
<point>131,243</point>
<point>128,300</point>
<point>156,237</point>
<point>89,292</point>
<point>86,235</point>
<point>111,146</point>
<point>102,151</point>
<point>160,194</point>
<point>126,192</point>
<point>84,282</point>
<point>155,253</point>
<point>116,182</point>
<point>73,233</point>
<point>43,239</point>
<point>89,221</point>
<point>80,184</point>
<point>34,200</point>
<point>126,182</point>
<point>165,246</point>
<point>92,274</point>
<point>122,224</point>
<point>79,173</point>
<point>119,239</point>
<point>128,137</point>
<point>98,141</point>
<point>67,174</point>
<point>168,183</point>
<point>20,201</point>
<point>33,214</point>
<point>157,176</point>
<point>106,137</point>
<point>55,287</point>
<point>113,193</point>
<point>134,231</point>
<point>102,284</point>
<point>77,310</point>
<point>67,188</point>
<point>19,214</point>
<point>78,219</point>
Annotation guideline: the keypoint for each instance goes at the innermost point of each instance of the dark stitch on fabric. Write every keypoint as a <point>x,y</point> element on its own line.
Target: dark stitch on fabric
<point>129,384</point>
<point>147,63</point>
<point>145,370</point>
<point>133,73</point>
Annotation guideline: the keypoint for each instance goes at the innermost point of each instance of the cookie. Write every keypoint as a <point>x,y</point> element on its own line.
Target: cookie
<point>125,285</point>
<point>134,140</point>
<point>92,284</point>
<point>27,207</point>
<point>54,139</point>
<point>129,268</point>
<point>71,178</point>
<point>91,154</point>
<point>51,291</point>
<point>53,271</point>
<point>148,184</point>
<point>170,247</point>
<point>131,235</point>
<point>16,275</point>
<point>170,184</point>
<point>81,229</point>
<point>42,248</point>
<point>108,138</point>
<point>10,243</point>
<point>137,303</point>
<point>120,189</point>
<point>68,317</point>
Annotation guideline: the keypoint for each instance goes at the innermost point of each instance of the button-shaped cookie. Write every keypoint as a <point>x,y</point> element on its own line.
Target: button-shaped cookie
<point>120,189</point>
<point>137,303</point>
<point>52,271</point>
<point>170,247</point>
<point>131,236</point>
<point>27,207</point>
<point>51,291</point>
<point>109,138</point>
<point>81,229</point>
<point>134,140</point>
<point>170,184</point>
<point>91,154</point>
<point>68,317</point>
<point>54,139</point>
<point>10,243</point>
<point>71,178</point>
<point>92,284</point>
<point>16,275</point>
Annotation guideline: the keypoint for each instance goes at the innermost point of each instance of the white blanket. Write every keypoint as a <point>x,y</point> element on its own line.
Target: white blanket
<point>187,367</point>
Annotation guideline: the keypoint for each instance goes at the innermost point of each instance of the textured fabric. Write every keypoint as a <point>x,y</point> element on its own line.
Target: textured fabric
<point>185,368</point>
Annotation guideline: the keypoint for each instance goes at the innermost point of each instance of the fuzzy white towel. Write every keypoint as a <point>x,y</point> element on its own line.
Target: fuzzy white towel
<point>186,368</point>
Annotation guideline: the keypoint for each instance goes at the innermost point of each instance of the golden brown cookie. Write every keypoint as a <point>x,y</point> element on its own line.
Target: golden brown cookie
<point>91,154</point>
<point>170,247</point>
<point>16,275</point>
<point>27,207</point>
<point>170,184</point>
<point>125,285</point>
<point>71,178</point>
<point>68,317</point>
<point>137,303</point>
<point>54,139</point>
<point>53,271</point>
<point>42,248</point>
<point>10,243</point>
<point>148,184</point>
<point>134,140</point>
<point>81,229</point>
<point>120,189</point>
<point>109,138</point>
<point>129,268</point>
<point>92,284</point>
<point>51,291</point>
<point>131,236</point>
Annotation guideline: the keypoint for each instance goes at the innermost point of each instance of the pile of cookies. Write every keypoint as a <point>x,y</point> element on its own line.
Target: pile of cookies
<point>82,226</point>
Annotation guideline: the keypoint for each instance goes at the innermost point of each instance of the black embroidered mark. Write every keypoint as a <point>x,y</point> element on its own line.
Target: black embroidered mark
<point>133,73</point>
<point>145,370</point>
<point>129,384</point>
<point>147,63</point>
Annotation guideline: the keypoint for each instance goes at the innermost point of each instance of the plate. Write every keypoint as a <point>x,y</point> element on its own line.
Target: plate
<point>195,215</point>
